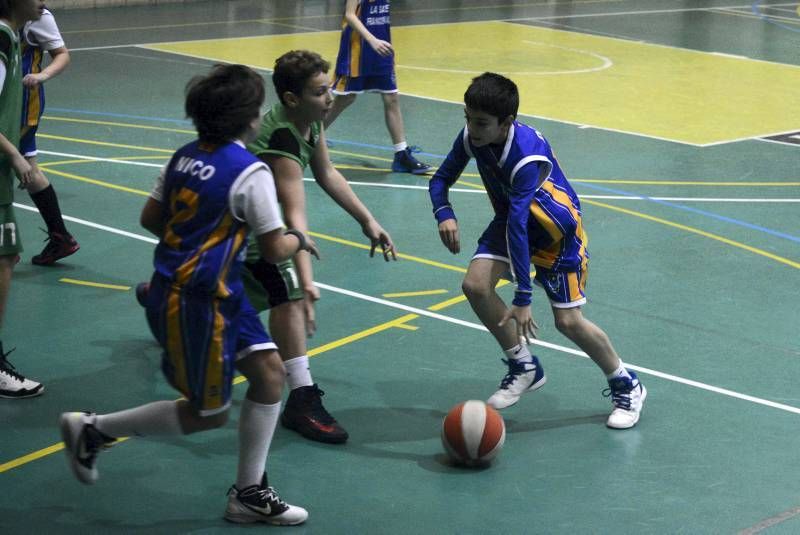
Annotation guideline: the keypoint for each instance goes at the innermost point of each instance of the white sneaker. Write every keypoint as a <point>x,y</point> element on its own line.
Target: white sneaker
<point>521,377</point>
<point>260,503</point>
<point>12,384</point>
<point>628,397</point>
<point>82,443</point>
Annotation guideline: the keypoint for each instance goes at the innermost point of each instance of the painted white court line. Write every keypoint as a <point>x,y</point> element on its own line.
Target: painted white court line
<point>468,324</point>
<point>462,190</point>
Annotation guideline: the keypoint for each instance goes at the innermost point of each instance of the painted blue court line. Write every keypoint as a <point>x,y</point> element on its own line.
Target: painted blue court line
<point>705,213</point>
<point>442,157</point>
<point>121,115</point>
<point>755,8</point>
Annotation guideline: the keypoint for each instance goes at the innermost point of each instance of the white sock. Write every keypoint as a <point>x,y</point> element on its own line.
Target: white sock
<point>619,372</point>
<point>157,418</point>
<point>400,146</point>
<point>256,427</point>
<point>518,352</point>
<point>297,372</point>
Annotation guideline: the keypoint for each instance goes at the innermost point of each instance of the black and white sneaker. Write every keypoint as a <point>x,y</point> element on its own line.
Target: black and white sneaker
<point>82,443</point>
<point>12,384</point>
<point>260,503</point>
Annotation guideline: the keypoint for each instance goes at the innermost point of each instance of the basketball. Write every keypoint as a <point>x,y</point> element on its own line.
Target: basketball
<point>473,433</point>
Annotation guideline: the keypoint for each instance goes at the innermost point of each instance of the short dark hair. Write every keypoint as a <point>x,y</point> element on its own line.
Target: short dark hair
<point>493,94</point>
<point>294,69</point>
<point>223,103</point>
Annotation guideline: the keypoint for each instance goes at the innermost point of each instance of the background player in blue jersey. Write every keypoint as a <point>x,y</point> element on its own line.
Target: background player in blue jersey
<point>210,195</point>
<point>13,14</point>
<point>37,37</point>
<point>537,220</point>
<point>366,63</point>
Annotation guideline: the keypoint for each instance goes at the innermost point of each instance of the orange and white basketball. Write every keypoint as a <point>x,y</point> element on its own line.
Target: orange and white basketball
<point>473,433</point>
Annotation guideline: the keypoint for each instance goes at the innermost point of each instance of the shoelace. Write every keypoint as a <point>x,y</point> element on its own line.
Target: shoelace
<point>8,368</point>
<point>515,369</point>
<point>317,410</point>
<point>269,495</point>
<point>619,397</point>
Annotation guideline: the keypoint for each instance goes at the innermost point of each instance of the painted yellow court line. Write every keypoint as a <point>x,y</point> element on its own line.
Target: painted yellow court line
<point>399,255</point>
<point>398,322</point>
<point>407,327</point>
<point>415,294</point>
<point>104,143</point>
<point>99,182</point>
<point>693,230</point>
<point>122,125</point>
<point>95,284</point>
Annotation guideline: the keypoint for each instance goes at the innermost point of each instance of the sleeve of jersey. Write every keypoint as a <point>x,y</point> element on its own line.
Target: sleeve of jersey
<point>158,188</point>
<point>281,142</point>
<point>254,201</point>
<point>523,189</point>
<point>46,32</point>
<point>446,176</point>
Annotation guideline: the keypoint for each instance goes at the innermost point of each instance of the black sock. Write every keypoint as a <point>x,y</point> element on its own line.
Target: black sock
<point>47,203</point>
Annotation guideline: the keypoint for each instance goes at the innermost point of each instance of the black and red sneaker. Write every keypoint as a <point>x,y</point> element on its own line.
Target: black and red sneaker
<point>58,246</point>
<point>305,414</point>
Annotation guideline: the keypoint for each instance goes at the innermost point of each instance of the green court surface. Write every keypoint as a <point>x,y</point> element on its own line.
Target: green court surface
<point>658,112</point>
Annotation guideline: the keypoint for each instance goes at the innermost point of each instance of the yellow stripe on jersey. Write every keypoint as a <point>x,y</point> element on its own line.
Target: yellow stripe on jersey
<point>175,350</point>
<point>240,236</point>
<point>184,273</point>
<point>34,93</point>
<point>213,388</point>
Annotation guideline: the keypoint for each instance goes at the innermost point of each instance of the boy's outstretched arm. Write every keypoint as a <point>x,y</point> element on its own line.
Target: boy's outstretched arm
<point>438,189</point>
<point>384,48</point>
<point>335,185</point>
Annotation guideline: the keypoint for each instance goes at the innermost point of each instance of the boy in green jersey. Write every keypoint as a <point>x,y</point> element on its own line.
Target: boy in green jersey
<point>291,140</point>
<point>13,15</point>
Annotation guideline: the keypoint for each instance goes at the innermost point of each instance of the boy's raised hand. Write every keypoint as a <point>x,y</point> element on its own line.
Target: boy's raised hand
<point>448,233</point>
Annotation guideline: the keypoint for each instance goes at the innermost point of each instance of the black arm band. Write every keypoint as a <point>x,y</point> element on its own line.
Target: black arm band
<point>300,237</point>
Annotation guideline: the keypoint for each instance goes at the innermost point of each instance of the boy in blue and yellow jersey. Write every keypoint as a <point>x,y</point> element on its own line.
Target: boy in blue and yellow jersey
<point>13,15</point>
<point>37,37</point>
<point>209,197</point>
<point>366,63</point>
<point>537,220</point>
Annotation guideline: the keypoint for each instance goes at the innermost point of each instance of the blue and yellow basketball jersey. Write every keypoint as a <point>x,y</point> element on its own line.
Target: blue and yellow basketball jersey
<point>356,58</point>
<point>202,240</point>
<point>555,228</point>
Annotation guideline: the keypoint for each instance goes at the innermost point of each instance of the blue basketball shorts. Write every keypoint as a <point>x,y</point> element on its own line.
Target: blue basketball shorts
<point>346,85</point>
<point>27,143</point>
<point>202,339</point>
<point>565,289</point>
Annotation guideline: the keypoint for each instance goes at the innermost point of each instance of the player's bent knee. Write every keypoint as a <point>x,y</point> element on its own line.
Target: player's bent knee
<point>476,289</point>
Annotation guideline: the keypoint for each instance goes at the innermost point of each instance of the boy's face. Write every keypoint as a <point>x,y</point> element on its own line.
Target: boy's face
<point>31,10</point>
<point>316,100</point>
<point>484,128</point>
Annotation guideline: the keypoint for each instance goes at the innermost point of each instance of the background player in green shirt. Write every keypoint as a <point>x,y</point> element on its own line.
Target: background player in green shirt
<point>13,15</point>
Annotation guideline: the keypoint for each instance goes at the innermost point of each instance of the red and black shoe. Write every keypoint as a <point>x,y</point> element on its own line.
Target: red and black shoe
<point>305,414</point>
<point>58,246</point>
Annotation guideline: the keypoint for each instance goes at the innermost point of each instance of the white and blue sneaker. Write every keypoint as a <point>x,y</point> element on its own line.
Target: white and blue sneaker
<point>627,395</point>
<point>523,376</point>
<point>260,503</point>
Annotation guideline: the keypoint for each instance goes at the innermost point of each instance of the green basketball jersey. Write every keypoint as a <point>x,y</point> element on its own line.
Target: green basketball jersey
<point>10,107</point>
<point>279,137</point>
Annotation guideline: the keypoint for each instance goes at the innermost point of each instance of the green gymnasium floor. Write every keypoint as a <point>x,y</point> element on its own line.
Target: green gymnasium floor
<point>659,112</point>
